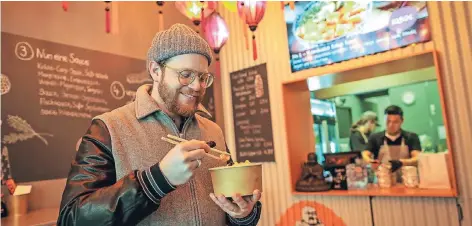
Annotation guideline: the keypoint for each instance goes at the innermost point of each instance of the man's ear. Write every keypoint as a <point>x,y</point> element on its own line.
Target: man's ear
<point>155,71</point>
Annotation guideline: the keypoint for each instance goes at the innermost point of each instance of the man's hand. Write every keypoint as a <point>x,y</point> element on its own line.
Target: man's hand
<point>181,161</point>
<point>240,207</point>
<point>11,186</point>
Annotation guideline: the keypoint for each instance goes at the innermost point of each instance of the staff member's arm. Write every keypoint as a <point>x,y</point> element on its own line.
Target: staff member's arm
<point>371,148</point>
<point>414,145</point>
<point>93,196</point>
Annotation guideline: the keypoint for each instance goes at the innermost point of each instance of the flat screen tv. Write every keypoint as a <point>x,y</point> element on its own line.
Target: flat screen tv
<point>327,32</point>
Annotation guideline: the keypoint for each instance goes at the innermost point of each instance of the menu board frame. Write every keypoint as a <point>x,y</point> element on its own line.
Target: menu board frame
<point>252,114</point>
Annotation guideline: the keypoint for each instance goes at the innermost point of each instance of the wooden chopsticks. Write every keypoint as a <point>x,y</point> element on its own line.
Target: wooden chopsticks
<point>176,140</point>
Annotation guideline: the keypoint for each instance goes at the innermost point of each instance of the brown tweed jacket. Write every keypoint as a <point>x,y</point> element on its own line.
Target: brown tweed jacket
<point>116,180</point>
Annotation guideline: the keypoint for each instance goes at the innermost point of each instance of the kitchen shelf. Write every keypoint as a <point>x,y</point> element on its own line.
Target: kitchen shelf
<point>396,191</point>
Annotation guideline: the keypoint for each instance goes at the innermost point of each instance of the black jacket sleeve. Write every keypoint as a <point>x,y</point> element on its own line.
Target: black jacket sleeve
<point>93,196</point>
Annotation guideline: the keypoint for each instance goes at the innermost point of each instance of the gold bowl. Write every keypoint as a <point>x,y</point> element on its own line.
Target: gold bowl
<point>242,178</point>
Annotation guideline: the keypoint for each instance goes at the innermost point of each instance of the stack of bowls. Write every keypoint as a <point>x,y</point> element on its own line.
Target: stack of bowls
<point>410,176</point>
<point>385,177</point>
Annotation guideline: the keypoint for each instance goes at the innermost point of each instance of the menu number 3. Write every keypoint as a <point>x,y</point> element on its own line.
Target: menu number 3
<point>24,51</point>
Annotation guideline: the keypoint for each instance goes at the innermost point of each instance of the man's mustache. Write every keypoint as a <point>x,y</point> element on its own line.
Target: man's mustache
<point>192,93</point>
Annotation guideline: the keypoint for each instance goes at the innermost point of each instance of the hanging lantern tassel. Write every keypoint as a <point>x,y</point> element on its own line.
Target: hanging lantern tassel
<point>217,65</point>
<point>65,5</point>
<point>107,17</point>
<point>254,47</point>
<point>201,13</point>
<point>160,15</point>
<point>201,19</point>
<point>240,12</point>
<point>161,20</point>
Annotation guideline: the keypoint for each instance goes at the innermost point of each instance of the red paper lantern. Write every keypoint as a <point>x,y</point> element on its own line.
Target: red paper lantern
<point>216,34</point>
<point>240,13</point>
<point>216,31</point>
<point>196,10</point>
<point>252,12</point>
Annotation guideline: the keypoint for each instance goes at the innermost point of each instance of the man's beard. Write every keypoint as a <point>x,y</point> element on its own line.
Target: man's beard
<point>170,98</point>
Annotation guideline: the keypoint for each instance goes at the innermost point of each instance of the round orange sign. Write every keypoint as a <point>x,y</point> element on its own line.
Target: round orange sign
<point>310,213</point>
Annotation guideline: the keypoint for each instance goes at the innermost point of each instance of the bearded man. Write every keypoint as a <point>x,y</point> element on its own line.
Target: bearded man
<point>125,174</point>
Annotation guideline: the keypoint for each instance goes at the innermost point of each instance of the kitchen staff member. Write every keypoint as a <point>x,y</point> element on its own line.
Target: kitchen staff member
<point>394,145</point>
<point>361,131</point>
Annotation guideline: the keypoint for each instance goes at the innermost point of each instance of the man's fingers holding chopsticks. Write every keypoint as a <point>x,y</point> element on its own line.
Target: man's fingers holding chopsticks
<point>194,155</point>
<point>193,165</point>
<point>193,145</point>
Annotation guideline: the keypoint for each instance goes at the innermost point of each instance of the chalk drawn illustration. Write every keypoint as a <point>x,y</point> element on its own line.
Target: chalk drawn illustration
<point>24,131</point>
<point>309,217</point>
<point>259,86</point>
<point>6,84</point>
<point>6,169</point>
<point>138,78</point>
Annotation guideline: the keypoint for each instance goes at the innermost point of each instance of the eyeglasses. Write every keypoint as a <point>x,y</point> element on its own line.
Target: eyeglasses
<point>187,76</point>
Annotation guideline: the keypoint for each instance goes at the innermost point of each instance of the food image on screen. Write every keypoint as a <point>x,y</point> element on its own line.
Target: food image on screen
<point>326,32</point>
<point>325,21</point>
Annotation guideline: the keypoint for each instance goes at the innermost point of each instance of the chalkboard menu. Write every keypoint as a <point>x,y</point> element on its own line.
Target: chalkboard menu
<point>209,102</point>
<point>251,114</point>
<point>49,94</point>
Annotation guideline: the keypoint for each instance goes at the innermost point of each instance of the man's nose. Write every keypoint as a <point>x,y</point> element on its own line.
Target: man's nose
<point>196,85</point>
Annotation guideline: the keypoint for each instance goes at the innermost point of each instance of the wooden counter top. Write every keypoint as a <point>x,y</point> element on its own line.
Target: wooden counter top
<point>40,217</point>
<point>396,191</point>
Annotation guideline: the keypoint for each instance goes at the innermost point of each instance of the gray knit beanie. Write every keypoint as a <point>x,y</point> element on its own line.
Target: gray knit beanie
<point>177,40</point>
